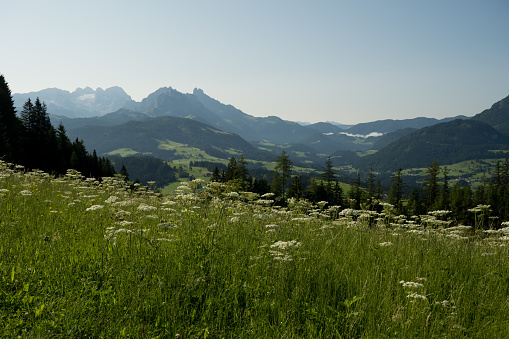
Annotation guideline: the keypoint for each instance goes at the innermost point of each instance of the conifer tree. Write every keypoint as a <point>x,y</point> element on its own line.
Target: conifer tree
<point>355,193</point>
<point>123,172</point>
<point>396,191</point>
<point>275,186</point>
<point>371,186</point>
<point>241,172</point>
<point>295,190</point>
<point>328,174</point>
<point>443,200</point>
<point>215,175</point>
<point>431,185</point>
<point>284,166</point>
<point>231,169</point>
<point>38,136</point>
<point>10,125</point>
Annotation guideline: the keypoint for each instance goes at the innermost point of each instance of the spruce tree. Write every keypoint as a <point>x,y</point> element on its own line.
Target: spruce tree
<point>275,186</point>
<point>355,193</point>
<point>328,174</point>
<point>296,190</point>
<point>10,125</point>
<point>284,166</point>
<point>123,172</point>
<point>215,175</point>
<point>371,186</point>
<point>431,185</point>
<point>38,137</point>
<point>443,200</point>
<point>231,169</point>
<point>396,191</point>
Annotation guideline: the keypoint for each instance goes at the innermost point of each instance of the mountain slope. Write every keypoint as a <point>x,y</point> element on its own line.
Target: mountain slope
<point>389,125</point>
<point>149,136</point>
<point>119,117</point>
<point>449,142</point>
<point>271,128</point>
<point>198,106</point>
<point>325,127</point>
<point>83,102</point>
<point>496,116</point>
<point>391,137</point>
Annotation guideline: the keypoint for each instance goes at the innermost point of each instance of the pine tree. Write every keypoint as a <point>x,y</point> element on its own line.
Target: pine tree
<point>241,172</point>
<point>275,186</point>
<point>231,169</point>
<point>10,125</point>
<point>355,193</point>
<point>215,175</point>
<point>337,195</point>
<point>123,172</point>
<point>414,206</point>
<point>64,149</point>
<point>396,192</point>
<point>284,166</point>
<point>371,186</point>
<point>431,185</point>
<point>296,190</point>
<point>443,200</point>
<point>38,137</point>
<point>328,174</point>
<point>460,202</point>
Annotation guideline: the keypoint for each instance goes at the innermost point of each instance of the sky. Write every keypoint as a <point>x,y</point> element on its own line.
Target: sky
<point>344,61</point>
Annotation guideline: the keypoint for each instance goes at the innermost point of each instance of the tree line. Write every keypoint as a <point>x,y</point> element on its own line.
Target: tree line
<point>434,193</point>
<point>30,140</point>
<point>282,181</point>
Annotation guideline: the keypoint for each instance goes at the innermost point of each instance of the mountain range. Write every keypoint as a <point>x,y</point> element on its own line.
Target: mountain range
<point>199,121</point>
<point>83,102</point>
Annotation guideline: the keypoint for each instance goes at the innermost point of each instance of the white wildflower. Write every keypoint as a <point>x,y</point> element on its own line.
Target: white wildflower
<point>285,244</point>
<point>416,296</point>
<point>111,199</point>
<point>385,244</point>
<point>145,207</point>
<point>165,239</point>
<point>411,284</point>
<point>124,223</point>
<point>94,208</point>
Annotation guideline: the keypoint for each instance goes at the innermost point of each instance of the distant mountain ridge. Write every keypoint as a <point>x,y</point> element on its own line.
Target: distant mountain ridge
<point>390,125</point>
<point>447,142</point>
<point>92,108</point>
<point>83,102</point>
<point>397,143</point>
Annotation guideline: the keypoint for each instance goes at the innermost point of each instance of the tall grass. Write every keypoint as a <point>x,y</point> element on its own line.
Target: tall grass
<point>81,258</point>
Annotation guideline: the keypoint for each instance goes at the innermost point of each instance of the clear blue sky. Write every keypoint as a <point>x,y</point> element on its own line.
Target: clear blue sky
<point>347,61</point>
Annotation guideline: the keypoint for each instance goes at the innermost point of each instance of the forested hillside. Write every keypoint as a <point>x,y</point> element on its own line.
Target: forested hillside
<point>449,142</point>
<point>31,141</point>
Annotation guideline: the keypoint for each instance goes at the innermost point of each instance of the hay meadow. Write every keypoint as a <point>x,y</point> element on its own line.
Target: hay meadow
<point>81,258</point>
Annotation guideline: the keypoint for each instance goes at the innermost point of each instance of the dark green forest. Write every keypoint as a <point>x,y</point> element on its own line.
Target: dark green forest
<point>31,141</point>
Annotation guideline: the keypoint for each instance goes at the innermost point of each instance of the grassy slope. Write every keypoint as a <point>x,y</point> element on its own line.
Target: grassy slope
<point>141,266</point>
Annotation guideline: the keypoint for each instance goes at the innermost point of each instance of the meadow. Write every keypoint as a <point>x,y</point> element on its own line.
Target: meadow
<point>81,258</point>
